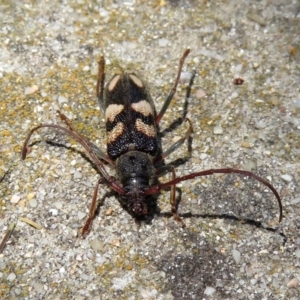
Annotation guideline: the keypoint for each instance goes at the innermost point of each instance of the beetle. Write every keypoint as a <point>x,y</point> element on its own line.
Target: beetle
<point>134,147</point>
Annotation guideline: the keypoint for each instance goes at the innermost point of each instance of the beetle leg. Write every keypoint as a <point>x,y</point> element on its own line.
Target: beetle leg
<point>88,224</point>
<point>157,188</point>
<point>176,145</point>
<point>174,204</point>
<point>173,90</point>
<point>100,81</point>
<point>100,153</point>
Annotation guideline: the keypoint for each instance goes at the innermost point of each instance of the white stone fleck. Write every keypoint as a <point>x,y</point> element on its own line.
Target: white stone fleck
<point>15,199</point>
<point>33,203</point>
<point>185,76</point>
<point>86,68</point>
<point>218,130</point>
<point>297,253</point>
<point>209,290</point>
<point>163,42</point>
<point>203,156</point>
<point>81,215</point>
<point>200,93</point>
<point>77,175</point>
<point>97,245</point>
<point>11,277</point>
<point>295,201</point>
<point>53,211</point>
<point>73,162</point>
<point>236,255</point>
<point>31,90</point>
<point>62,99</point>
<point>120,283</point>
<point>286,177</point>
<point>38,286</point>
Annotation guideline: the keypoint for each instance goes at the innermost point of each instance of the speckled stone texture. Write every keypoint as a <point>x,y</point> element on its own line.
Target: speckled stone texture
<point>48,61</point>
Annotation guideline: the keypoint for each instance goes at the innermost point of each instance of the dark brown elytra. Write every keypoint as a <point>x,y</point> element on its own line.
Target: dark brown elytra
<point>132,125</point>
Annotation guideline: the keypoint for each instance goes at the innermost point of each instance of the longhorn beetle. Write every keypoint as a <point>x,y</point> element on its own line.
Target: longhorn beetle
<point>133,145</point>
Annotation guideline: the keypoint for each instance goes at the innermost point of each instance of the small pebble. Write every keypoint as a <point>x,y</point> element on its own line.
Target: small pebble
<point>295,201</point>
<point>274,100</point>
<point>77,175</point>
<point>234,95</point>
<point>236,255</point>
<point>209,290</point>
<point>218,130</point>
<point>261,124</point>
<point>62,99</point>
<point>163,42</point>
<point>17,291</point>
<point>297,253</point>
<point>30,196</point>
<point>97,245</point>
<point>58,205</point>
<point>108,211</point>
<point>297,102</point>
<point>259,101</point>
<point>249,165</point>
<point>81,215</point>
<point>185,76</point>
<point>200,94</point>
<point>116,242</point>
<point>264,251</point>
<point>53,211</point>
<point>33,203</point>
<point>38,286</point>
<point>256,18</point>
<point>245,144</point>
<point>11,277</point>
<point>73,162</point>
<point>293,283</point>
<point>103,12</point>
<point>203,156</point>
<point>286,177</point>
<point>31,90</point>
<point>15,199</point>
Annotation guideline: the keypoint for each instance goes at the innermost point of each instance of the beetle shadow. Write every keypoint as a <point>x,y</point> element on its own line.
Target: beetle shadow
<point>248,221</point>
<point>73,149</point>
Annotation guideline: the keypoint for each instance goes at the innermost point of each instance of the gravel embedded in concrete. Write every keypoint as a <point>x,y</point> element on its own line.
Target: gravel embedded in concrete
<point>48,61</point>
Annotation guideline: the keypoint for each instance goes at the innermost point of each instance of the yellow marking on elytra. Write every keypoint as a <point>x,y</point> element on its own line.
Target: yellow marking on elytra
<point>136,80</point>
<point>114,134</point>
<point>148,130</point>
<point>112,111</point>
<point>142,107</point>
<point>113,82</point>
